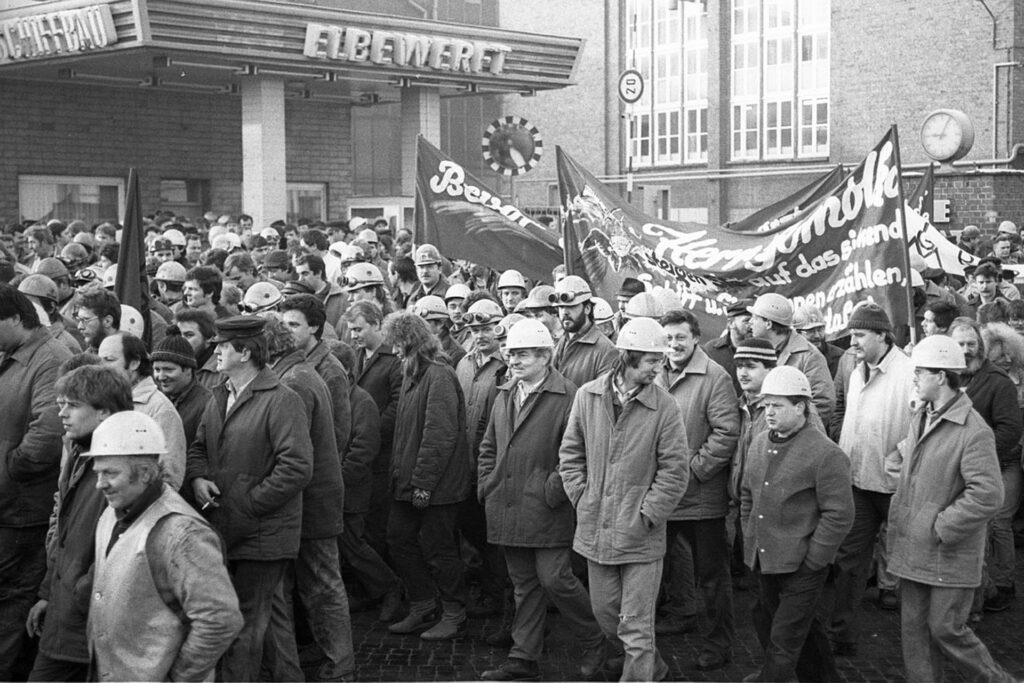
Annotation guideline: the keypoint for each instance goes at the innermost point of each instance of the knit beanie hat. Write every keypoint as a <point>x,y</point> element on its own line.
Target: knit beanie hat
<point>175,349</point>
<point>869,317</point>
<point>756,349</point>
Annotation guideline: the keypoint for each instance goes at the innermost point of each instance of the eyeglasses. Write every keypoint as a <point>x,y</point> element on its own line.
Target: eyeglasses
<point>86,320</point>
<point>925,371</point>
<point>564,298</point>
<point>478,318</point>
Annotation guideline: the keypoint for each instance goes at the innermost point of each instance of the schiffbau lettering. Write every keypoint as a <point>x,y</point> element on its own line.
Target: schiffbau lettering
<point>416,50</point>
<point>44,35</point>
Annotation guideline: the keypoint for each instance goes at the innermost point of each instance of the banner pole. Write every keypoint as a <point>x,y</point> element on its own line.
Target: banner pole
<point>906,238</point>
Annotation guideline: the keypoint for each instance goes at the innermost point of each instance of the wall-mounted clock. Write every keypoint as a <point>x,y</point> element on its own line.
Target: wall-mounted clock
<point>511,145</point>
<point>947,135</point>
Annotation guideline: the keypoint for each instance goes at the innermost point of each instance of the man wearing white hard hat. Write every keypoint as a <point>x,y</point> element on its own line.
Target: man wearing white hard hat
<point>453,299</point>
<point>528,512</point>
<point>949,490</point>
<point>430,280</point>
<point>511,289</point>
<point>795,510</point>
<point>433,309</point>
<point>127,353</point>
<point>162,607</point>
<point>583,353</point>
<point>771,318</point>
<point>624,463</point>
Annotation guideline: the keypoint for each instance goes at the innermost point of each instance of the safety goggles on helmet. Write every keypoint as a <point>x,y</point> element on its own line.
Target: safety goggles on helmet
<point>479,318</point>
<point>564,298</point>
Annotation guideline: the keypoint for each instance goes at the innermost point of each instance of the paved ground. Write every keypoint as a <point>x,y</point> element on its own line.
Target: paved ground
<point>384,657</point>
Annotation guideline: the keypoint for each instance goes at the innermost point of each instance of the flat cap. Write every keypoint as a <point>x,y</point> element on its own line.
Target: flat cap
<point>238,327</point>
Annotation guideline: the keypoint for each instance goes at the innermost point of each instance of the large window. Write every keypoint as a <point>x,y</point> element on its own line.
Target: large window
<point>667,43</point>
<point>306,201</point>
<point>91,199</point>
<point>780,79</point>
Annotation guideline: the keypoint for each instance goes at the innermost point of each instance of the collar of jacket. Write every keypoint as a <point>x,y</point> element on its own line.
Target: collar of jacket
<point>144,390</point>
<point>588,337</point>
<point>987,368</point>
<point>36,338</point>
<point>722,341</point>
<point>957,412</point>
<point>795,344</point>
<point>289,361</point>
<point>697,365</point>
<point>602,386</point>
<point>554,383</point>
<point>265,379</point>
<point>318,352</point>
<point>184,395</point>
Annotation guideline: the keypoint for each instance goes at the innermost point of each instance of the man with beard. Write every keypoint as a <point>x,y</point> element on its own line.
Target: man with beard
<point>584,352</point>
<point>722,349</point>
<point>809,321</point>
<point>428,273</point>
<point>623,463</point>
<point>480,372</point>
<point>174,371</point>
<point>98,315</point>
<point>994,396</point>
<point>197,328</point>
<point>876,417</point>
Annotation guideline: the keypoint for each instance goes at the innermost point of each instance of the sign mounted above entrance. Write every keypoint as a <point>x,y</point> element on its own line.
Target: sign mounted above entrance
<point>63,32</point>
<point>379,46</point>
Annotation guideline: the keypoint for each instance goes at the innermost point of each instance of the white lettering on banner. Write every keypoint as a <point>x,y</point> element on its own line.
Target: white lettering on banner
<point>696,251</point>
<point>453,183</point>
<point>55,33</point>
<point>379,46</point>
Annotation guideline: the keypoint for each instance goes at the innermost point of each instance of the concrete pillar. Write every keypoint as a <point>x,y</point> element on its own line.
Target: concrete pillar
<point>719,139</point>
<point>421,115</point>
<point>264,196</point>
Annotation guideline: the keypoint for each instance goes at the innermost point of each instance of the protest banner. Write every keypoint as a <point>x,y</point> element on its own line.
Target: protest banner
<point>460,216</point>
<point>846,247</point>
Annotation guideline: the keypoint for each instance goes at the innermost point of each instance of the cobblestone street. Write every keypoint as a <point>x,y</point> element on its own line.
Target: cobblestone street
<point>385,657</point>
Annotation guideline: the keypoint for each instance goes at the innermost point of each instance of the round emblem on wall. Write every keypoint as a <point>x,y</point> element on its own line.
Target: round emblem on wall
<point>512,145</point>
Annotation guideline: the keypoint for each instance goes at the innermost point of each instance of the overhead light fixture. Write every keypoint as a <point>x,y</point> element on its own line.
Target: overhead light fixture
<point>72,74</point>
<point>163,62</point>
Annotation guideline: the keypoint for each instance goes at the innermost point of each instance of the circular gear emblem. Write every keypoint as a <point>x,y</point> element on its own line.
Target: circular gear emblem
<point>512,145</point>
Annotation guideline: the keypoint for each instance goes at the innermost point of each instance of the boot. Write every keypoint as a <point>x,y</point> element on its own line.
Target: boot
<point>421,613</point>
<point>452,624</point>
<point>391,603</point>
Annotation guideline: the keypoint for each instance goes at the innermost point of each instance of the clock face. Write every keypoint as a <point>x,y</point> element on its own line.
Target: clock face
<point>946,135</point>
<point>512,146</point>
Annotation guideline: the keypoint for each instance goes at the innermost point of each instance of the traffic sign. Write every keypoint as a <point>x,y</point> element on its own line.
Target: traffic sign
<point>631,86</point>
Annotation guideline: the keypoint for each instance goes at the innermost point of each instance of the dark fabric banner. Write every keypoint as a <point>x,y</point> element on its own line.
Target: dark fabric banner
<point>131,285</point>
<point>846,247</point>
<point>774,216</point>
<point>462,218</point>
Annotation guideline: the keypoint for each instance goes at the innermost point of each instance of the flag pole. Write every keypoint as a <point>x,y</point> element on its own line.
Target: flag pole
<point>909,291</point>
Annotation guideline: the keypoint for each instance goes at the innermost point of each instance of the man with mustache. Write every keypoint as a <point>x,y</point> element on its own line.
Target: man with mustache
<point>583,352</point>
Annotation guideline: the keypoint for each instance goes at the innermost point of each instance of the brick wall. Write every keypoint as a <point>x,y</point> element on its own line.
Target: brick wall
<point>87,130</point>
<point>982,200</point>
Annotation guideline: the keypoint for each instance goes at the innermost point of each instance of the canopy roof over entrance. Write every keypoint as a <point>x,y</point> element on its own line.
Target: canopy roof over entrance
<point>209,45</point>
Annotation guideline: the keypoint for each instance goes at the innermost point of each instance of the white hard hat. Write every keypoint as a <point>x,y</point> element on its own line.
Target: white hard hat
<point>261,296</point>
<point>432,308</point>
<point>642,334</point>
<point>785,380</point>
<point>774,307</point>
<point>668,299</point>
<point>346,253</point>
<point>483,312</point>
<point>127,433</point>
<point>808,317</point>
<point>529,334</point>
<point>501,330</point>
<point>110,276</point>
<point>915,279</point>
<point>131,321</point>
<point>361,276</point>
<point>369,236</point>
<point>356,222</point>
<point>271,235</point>
<point>170,271</point>
<point>512,278</point>
<point>175,237</point>
<point>938,352</point>
<point>229,241</point>
<point>457,291</point>
<point>569,291</point>
<point>602,310</point>
<point>644,305</point>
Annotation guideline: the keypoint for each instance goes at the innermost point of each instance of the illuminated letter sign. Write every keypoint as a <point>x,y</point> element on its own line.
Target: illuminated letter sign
<point>414,50</point>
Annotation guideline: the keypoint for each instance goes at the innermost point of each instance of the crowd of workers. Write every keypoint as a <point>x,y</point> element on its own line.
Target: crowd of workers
<point>328,418</point>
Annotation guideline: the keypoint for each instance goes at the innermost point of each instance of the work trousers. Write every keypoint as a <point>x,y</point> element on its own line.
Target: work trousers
<point>425,552</point>
<point>933,622</point>
<point>538,574</point>
<point>710,571</point>
<point>623,598</point>
<point>255,582</point>
<point>22,568</point>
<point>789,629</point>
<point>370,569</point>
<point>493,572</point>
<point>1002,557</point>
<point>853,562</point>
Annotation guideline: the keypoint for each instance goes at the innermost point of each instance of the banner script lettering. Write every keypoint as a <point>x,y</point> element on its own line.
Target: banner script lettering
<point>54,33</point>
<point>421,51</point>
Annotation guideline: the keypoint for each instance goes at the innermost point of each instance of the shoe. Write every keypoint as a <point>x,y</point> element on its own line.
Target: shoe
<point>451,626</point>
<point>756,676</point>
<point>888,599</point>
<point>329,671</point>
<point>513,669</point>
<point>593,660</point>
<point>844,649</point>
<point>675,625</point>
<point>420,615</point>
<point>709,661</point>
<point>391,604</point>
<point>999,602</point>
<point>500,638</point>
